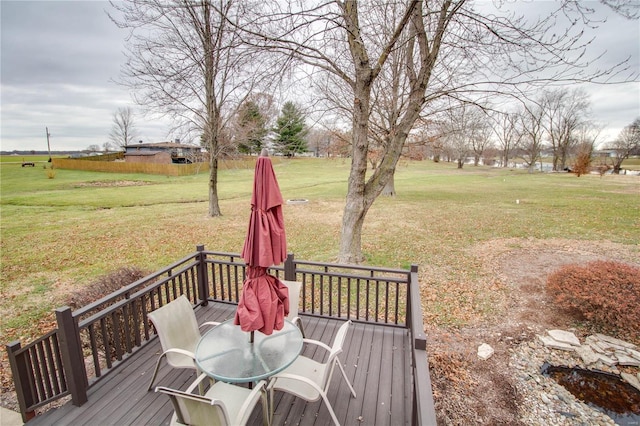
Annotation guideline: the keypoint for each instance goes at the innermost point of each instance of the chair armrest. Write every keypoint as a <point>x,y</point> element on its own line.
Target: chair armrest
<point>212,323</point>
<point>181,352</point>
<point>196,383</point>
<point>317,343</point>
<point>303,379</point>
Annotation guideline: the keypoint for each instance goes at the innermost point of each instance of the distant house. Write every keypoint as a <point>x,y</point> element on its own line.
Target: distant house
<point>163,153</point>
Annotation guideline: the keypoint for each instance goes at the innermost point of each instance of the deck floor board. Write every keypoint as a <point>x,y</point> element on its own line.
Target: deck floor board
<point>375,358</point>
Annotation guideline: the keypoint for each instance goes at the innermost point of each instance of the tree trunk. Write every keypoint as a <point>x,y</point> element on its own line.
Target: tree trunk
<point>355,208</point>
<point>351,234</point>
<point>214,207</point>
<point>390,188</point>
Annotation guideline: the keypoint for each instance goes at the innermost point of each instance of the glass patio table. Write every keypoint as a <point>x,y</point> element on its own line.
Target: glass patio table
<point>226,353</point>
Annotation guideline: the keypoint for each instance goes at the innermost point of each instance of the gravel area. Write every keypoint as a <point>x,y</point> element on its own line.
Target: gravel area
<point>509,388</point>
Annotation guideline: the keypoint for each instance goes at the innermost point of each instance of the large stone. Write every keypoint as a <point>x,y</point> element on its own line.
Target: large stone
<point>550,342</point>
<point>615,342</point>
<point>596,345</point>
<point>564,337</point>
<point>633,353</point>
<point>485,351</point>
<point>587,354</point>
<point>631,379</point>
<point>624,359</point>
<point>606,360</point>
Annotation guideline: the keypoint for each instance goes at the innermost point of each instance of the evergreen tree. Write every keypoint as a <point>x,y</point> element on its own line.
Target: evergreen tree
<point>251,126</point>
<point>291,131</point>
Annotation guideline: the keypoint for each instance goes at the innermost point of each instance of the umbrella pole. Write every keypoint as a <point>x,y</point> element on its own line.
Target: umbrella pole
<point>251,337</point>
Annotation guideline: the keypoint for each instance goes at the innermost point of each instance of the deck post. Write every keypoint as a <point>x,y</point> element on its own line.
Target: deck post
<point>289,268</point>
<point>423,407</point>
<point>23,381</point>
<point>72,359</point>
<point>203,277</point>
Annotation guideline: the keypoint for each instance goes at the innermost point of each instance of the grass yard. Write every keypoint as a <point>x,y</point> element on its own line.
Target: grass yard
<point>60,234</point>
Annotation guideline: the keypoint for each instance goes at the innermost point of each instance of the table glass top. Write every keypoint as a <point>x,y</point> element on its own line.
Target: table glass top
<point>226,353</point>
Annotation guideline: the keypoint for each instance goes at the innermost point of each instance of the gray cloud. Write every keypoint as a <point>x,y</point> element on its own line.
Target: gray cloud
<point>58,60</point>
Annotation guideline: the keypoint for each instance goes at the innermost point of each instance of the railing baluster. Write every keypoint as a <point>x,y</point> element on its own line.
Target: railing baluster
<point>37,371</point>
<point>94,350</point>
<point>51,369</point>
<point>117,338</point>
<point>105,342</point>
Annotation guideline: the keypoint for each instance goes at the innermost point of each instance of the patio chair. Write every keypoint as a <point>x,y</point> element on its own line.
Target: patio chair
<point>178,331</point>
<point>294,303</point>
<point>309,379</point>
<point>222,404</point>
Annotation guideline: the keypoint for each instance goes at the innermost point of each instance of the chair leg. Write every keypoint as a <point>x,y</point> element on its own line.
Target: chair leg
<point>333,415</point>
<point>270,414</point>
<point>155,373</point>
<point>344,374</point>
<point>301,327</point>
<point>266,417</point>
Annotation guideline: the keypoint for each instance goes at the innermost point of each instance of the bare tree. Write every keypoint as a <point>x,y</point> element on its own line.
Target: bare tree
<point>480,134</point>
<point>565,112</point>
<point>505,127</point>
<point>123,131</point>
<point>185,61</point>
<point>532,131</point>
<point>449,50</point>
<point>107,146</point>
<point>628,141</point>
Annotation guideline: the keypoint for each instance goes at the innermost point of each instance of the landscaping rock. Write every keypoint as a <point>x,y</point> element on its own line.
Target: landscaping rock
<point>485,351</point>
<point>624,359</point>
<point>587,354</point>
<point>564,337</point>
<point>550,342</point>
<point>631,379</point>
<point>614,342</point>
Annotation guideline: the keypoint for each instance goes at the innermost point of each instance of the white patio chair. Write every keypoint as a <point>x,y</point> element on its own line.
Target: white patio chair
<point>222,404</point>
<point>294,303</point>
<point>178,331</point>
<point>309,379</point>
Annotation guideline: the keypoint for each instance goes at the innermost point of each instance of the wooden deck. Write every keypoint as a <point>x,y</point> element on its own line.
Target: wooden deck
<point>376,360</point>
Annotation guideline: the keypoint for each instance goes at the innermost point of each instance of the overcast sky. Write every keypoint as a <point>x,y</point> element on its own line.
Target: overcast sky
<point>58,60</point>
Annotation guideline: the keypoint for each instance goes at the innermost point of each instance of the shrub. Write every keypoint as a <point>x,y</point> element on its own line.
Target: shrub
<point>104,332</point>
<point>51,173</point>
<point>582,164</point>
<point>605,293</point>
<point>105,285</point>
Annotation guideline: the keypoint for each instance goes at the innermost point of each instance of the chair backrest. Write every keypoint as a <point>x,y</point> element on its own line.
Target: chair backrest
<point>294,298</point>
<point>196,410</point>
<point>336,349</point>
<point>177,327</point>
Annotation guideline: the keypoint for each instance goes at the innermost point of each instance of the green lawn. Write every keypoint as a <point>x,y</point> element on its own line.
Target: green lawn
<point>60,234</point>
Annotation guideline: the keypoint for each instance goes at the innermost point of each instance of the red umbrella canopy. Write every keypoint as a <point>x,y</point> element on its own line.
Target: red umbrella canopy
<point>266,243</point>
<point>265,299</point>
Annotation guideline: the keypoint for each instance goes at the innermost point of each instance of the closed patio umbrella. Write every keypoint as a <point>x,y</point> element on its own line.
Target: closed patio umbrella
<point>264,302</point>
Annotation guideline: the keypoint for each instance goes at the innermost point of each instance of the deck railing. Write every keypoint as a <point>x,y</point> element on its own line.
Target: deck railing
<point>90,342</point>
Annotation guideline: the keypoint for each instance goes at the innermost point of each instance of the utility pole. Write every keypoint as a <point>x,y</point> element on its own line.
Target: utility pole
<point>48,145</point>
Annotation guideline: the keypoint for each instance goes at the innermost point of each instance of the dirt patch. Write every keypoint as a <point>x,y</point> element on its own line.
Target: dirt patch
<point>110,183</point>
<point>468,390</point>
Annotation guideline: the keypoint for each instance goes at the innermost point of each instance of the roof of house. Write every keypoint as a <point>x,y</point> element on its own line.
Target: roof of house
<point>144,153</point>
<point>162,145</point>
